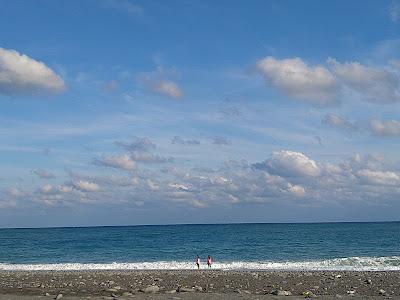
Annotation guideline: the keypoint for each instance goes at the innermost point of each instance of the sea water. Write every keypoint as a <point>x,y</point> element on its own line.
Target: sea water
<point>322,246</point>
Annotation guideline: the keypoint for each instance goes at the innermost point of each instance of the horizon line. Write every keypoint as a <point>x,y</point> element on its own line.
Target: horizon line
<point>200,224</point>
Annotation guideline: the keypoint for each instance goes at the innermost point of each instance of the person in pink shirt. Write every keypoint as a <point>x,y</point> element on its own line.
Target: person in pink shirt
<point>209,261</point>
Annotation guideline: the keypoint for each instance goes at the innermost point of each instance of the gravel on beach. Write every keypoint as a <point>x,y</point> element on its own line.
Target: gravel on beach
<point>203,284</point>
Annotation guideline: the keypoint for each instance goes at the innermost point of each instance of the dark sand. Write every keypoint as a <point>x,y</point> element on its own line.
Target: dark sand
<point>204,284</point>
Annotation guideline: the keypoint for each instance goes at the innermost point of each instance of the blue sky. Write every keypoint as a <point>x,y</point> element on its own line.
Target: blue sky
<point>151,112</point>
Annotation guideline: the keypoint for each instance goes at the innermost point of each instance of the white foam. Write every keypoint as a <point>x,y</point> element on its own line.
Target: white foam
<point>340,264</point>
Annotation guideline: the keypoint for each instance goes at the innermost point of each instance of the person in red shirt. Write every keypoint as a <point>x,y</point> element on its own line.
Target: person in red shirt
<point>209,261</point>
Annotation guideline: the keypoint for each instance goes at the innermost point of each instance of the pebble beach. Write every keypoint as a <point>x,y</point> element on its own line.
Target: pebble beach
<point>203,284</point>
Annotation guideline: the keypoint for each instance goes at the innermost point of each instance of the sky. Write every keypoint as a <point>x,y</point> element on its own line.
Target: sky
<point>124,112</point>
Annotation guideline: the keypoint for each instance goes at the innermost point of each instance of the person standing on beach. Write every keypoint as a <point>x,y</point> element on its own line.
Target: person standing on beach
<point>209,261</point>
<point>198,262</point>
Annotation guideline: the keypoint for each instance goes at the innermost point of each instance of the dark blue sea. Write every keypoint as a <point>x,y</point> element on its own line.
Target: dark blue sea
<point>323,246</point>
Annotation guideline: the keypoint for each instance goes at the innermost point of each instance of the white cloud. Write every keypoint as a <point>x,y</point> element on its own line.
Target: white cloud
<point>86,186</point>
<point>385,128</point>
<point>65,189</point>
<point>20,74</point>
<point>284,176</point>
<point>379,177</point>
<point>178,186</point>
<point>167,87</point>
<point>373,84</point>
<point>47,188</point>
<point>296,190</point>
<point>339,122</point>
<point>123,161</point>
<point>290,164</point>
<point>313,84</point>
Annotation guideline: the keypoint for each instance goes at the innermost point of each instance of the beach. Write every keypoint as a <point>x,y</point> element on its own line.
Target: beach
<point>203,284</point>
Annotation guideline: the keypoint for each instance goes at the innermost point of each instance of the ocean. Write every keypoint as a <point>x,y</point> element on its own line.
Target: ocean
<point>321,246</point>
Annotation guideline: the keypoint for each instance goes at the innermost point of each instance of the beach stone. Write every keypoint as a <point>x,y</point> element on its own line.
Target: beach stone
<point>117,287</point>
<point>382,292</point>
<point>127,294</point>
<point>309,294</point>
<point>185,290</point>
<point>198,288</point>
<point>351,292</point>
<point>151,289</point>
<point>59,296</point>
<point>171,292</point>
<point>281,293</point>
<point>112,290</point>
<point>368,281</point>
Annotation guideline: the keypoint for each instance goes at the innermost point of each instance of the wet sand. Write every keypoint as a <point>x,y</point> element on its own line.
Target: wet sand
<point>204,284</point>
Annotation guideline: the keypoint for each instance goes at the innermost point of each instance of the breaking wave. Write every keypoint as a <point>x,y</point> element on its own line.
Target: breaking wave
<point>391,263</point>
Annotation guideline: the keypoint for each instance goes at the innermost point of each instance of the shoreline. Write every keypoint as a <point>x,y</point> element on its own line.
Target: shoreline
<point>203,284</point>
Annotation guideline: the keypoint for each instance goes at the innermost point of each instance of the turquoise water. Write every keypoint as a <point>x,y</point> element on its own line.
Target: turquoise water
<point>355,246</point>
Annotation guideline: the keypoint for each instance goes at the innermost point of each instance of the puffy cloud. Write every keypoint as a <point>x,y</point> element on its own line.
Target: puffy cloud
<point>313,84</point>
<point>167,87</point>
<point>322,85</point>
<point>55,189</point>
<point>20,74</point>
<point>181,141</point>
<point>374,84</point>
<point>220,140</point>
<point>43,174</point>
<point>385,128</point>
<point>86,186</point>
<point>47,188</point>
<point>178,186</point>
<point>339,122</point>
<point>379,177</point>
<point>285,176</point>
<point>296,190</point>
<point>123,161</point>
<point>290,164</point>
